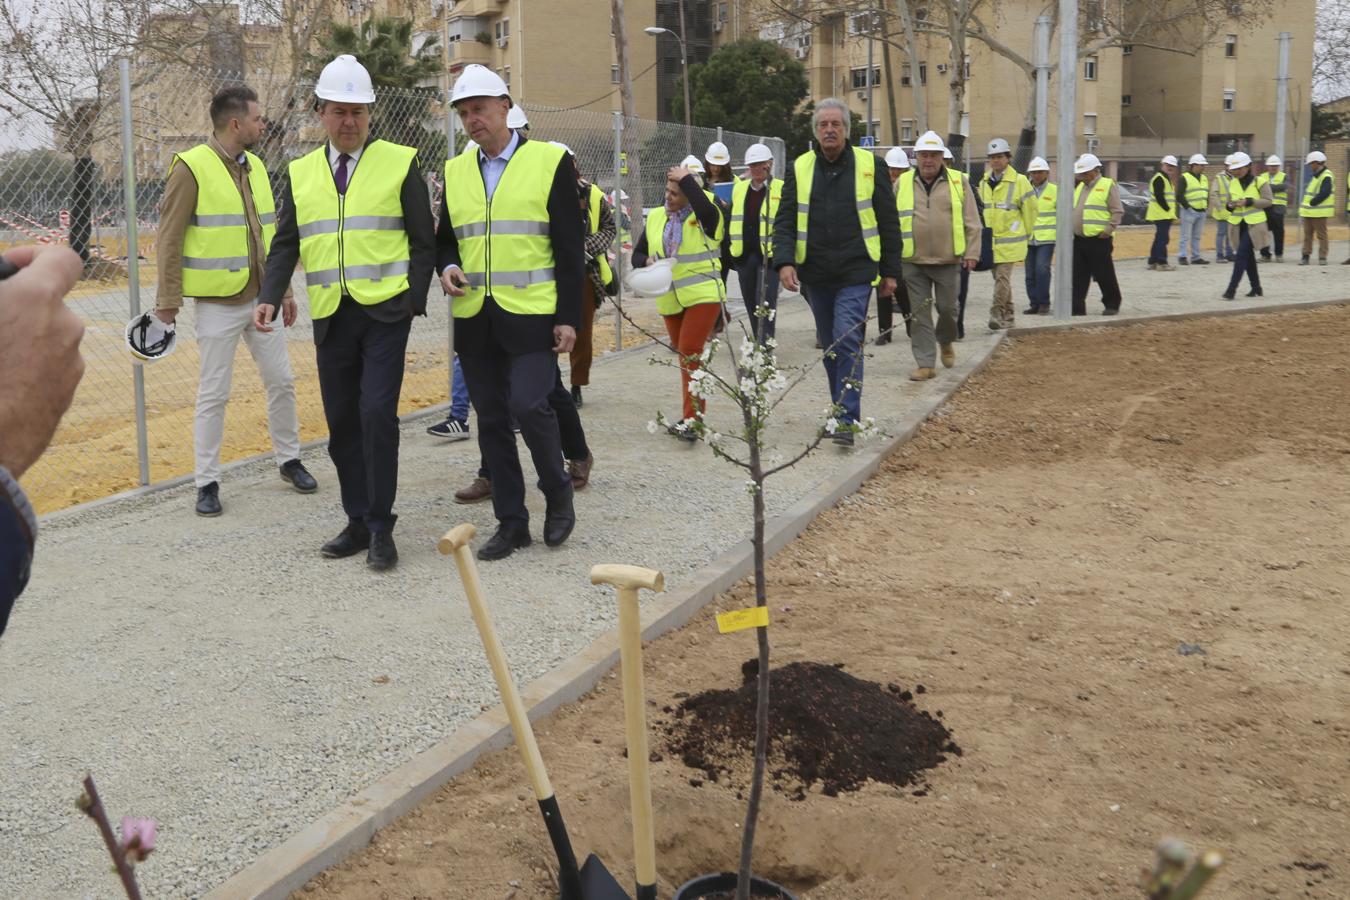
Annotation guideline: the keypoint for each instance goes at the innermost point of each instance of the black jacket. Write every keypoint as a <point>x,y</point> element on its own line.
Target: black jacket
<point>285,253</point>
<point>835,253</point>
<point>514,332</point>
<point>1162,191</point>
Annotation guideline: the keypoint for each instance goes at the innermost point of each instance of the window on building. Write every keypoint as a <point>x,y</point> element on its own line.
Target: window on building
<point>1126,100</point>
<point>967,68</point>
<point>1229,100</point>
<point>506,76</point>
<point>905,78</point>
<point>722,12</point>
<point>612,28</point>
<point>502,29</point>
<point>863,23</point>
<point>1089,123</point>
<point>858,77</point>
<point>923,73</point>
<point>1230,46</point>
<point>1126,49</point>
<point>906,130</point>
<point>1090,69</point>
<point>614,74</point>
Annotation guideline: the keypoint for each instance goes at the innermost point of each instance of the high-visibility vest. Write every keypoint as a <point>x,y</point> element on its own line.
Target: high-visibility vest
<point>1279,187</point>
<point>596,198</point>
<point>768,209</point>
<point>504,243</point>
<point>864,179</point>
<point>697,275</point>
<point>1047,217</point>
<point>1327,207</point>
<point>1155,212</point>
<point>215,245</point>
<point>1195,190</point>
<point>904,204</point>
<point>1216,210</point>
<point>1096,211</point>
<point>1003,213</point>
<point>353,244</point>
<point>1252,215</point>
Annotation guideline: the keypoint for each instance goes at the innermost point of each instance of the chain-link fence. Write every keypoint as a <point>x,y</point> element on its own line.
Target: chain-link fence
<point>77,184</point>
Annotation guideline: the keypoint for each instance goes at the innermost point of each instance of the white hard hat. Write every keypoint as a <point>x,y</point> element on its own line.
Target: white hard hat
<point>758,153</point>
<point>718,154</point>
<point>1238,160</point>
<point>1169,160</point>
<point>346,81</point>
<point>566,149</point>
<point>652,280</point>
<point>1317,156</point>
<point>896,158</point>
<point>691,162</point>
<point>1228,160</point>
<point>516,118</point>
<point>999,145</point>
<point>947,154</point>
<point>150,339</point>
<point>470,146</point>
<point>478,81</point>
<point>1273,161</point>
<point>1086,163</point>
<point>929,141</point>
<point>1038,165</point>
<point>1197,159</point>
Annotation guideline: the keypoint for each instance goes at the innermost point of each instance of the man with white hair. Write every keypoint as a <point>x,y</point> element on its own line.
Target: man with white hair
<point>1097,213</point>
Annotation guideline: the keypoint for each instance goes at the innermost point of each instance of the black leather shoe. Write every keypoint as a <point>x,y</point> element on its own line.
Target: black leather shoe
<point>208,499</point>
<point>506,541</point>
<point>382,554</point>
<point>1227,296</point>
<point>576,395</point>
<point>1110,312</point>
<point>353,540</point>
<point>559,517</point>
<point>1256,293</point>
<point>299,477</point>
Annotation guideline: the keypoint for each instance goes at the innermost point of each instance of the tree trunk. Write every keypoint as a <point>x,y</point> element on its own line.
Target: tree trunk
<point>956,94</point>
<point>888,73</point>
<point>918,90</point>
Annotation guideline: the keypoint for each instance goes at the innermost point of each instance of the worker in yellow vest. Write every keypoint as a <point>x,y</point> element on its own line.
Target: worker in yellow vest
<point>1247,205</point>
<point>897,164</point>
<point>1162,212</point>
<point>1275,176</point>
<point>1010,212</point>
<point>355,215</point>
<point>1218,197</point>
<point>1097,213</point>
<point>216,224</point>
<point>1041,247</point>
<point>1317,207</point>
<point>511,253</point>
<point>1192,202</point>
<point>754,203</point>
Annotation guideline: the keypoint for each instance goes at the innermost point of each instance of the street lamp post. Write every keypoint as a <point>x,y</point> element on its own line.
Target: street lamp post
<point>656,31</point>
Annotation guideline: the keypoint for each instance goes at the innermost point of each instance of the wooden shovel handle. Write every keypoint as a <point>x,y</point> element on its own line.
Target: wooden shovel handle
<point>635,722</point>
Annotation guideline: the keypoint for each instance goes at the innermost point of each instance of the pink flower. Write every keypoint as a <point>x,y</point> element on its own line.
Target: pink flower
<point>138,838</point>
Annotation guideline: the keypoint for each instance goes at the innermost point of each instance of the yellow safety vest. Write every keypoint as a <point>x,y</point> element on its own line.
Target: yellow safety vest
<point>1004,213</point>
<point>697,276</point>
<point>1279,190</point>
<point>1195,190</point>
<point>1096,211</point>
<point>504,245</point>
<point>353,244</point>
<point>1047,218</point>
<point>864,179</point>
<point>1327,208</point>
<point>1155,212</point>
<point>596,198</point>
<point>767,210</point>
<point>215,245</point>
<point>904,204</point>
<point>1217,211</point>
<point>1249,214</point>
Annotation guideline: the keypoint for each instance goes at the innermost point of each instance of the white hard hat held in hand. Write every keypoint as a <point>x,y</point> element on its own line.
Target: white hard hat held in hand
<point>149,339</point>
<point>1086,163</point>
<point>344,80</point>
<point>999,145</point>
<point>929,140</point>
<point>758,153</point>
<point>1198,159</point>
<point>896,158</point>
<point>718,154</point>
<point>478,81</point>
<point>1038,164</point>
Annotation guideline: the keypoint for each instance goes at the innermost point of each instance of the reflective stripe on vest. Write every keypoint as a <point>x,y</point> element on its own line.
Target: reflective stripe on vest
<point>1096,211</point>
<point>1047,218</point>
<point>596,198</point>
<point>697,275</point>
<point>1155,212</point>
<point>768,209</point>
<point>1327,207</point>
<point>504,245</point>
<point>1195,190</point>
<point>216,242</point>
<point>1252,215</point>
<point>904,204</point>
<point>1003,213</point>
<point>864,180</point>
<point>352,244</point>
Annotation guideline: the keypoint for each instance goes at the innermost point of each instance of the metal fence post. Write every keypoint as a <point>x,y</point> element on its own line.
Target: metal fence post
<point>618,232</point>
<point>133,258</point>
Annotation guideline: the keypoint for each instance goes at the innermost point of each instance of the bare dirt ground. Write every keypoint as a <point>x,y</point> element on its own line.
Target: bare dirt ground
<point>1035,558</point>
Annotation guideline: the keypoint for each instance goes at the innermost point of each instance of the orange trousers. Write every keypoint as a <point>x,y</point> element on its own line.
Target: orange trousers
<point>689,331</point>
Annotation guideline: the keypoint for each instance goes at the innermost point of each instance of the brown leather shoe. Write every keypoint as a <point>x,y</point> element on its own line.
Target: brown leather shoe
<point>480,490</point>
<point>923,373</point>
<point>948,355</point>
<point>580,470</point>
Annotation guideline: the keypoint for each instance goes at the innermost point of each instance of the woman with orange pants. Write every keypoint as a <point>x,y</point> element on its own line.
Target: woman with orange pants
<point>690,231</point>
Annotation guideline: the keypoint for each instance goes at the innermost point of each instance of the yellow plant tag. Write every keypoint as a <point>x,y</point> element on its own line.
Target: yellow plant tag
<point>741,619</point>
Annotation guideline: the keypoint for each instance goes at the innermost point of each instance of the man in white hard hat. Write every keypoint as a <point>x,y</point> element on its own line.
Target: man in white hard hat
<point>897,164</point>
<point>1162,212</point>
<point>355,215</point>
<point>1218,211</point>
<point>1247,205</point>
<point>1041,247</point>
<point>1274,176</point>
<point>1097,213</point>
<point>1010,214</point>
<point>511,255</point>
<point>1319,205</point>
<point>835,234</point>
<point>1192,201</point>
<point>216,223</point>
<point>940,236</point>
<point>754,204</point>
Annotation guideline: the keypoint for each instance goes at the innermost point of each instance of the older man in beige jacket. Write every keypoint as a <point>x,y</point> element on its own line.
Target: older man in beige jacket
<point>940,226</point>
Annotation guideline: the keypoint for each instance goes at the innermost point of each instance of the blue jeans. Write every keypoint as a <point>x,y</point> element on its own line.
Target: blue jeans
<point>1039,258</point>
<point>459,394</point>
<point>1192,227</point>
<point>1162,230</point>
<point>841,322</point>
<point>1222,248</point>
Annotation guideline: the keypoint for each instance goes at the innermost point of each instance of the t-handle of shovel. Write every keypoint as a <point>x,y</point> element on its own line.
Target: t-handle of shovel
<point>628,580</point>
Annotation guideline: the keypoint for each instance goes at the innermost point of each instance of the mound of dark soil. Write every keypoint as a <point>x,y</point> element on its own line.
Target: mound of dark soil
<point>825,726</point>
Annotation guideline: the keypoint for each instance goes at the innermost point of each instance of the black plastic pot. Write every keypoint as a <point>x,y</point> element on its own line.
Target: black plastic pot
<point>725,884</point>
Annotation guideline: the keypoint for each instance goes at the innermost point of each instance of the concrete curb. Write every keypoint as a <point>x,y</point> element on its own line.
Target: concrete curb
<point>1117,321</point>
<point>350,827</point>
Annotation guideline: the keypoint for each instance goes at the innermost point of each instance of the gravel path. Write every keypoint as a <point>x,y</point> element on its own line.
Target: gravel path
<point>222,677</point>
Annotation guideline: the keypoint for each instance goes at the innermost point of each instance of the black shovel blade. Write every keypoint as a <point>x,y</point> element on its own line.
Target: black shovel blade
<point>598,884</point>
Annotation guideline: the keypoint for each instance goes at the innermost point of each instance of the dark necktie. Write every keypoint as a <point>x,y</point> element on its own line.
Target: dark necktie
<point>341,175</point>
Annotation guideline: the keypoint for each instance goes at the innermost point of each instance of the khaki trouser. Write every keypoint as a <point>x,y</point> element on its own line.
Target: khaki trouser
<point>1001,310</point>
<point>931,286</point>
<point>1316,227</point>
